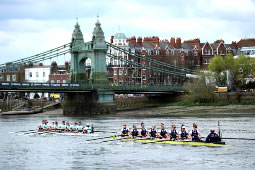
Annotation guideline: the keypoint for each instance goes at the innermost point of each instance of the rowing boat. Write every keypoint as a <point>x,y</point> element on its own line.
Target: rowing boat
<point>63,131</point>
<point>171,142</point>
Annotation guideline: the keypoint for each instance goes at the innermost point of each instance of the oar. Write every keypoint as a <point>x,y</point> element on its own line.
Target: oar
<point>239,138</point>
<point>104,131</point>
<point>103,137</point>
<point>25,131</point>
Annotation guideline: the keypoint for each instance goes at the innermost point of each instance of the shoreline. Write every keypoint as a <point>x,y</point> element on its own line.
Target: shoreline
<point>177,111</point>
<point>193,111</point>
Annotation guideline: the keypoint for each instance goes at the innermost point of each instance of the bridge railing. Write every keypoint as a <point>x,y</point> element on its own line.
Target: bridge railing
<point>62,87</point>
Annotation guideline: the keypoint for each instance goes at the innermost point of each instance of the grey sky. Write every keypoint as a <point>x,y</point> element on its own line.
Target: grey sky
<point>28,27</point>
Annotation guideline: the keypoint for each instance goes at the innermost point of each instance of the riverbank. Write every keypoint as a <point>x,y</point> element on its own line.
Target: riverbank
<point>193,111</point>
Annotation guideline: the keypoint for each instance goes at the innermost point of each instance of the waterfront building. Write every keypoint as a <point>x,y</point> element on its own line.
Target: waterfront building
<point>37,74</point>
<point>59,73</point>
<point>13,73</point>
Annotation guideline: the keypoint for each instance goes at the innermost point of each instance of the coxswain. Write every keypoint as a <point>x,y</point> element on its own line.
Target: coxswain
<point>143,131</point>
<point>79,128</point>
<point>63,126</point>
<point>52,126</point>
<point>213,137</point>
<point>163,132</point>
<point>195,134</point>
<point>124,130</point>
<point>67,126</point>
<point>40,127</point>
<point>87,129</point>
<point>73,128</point>
<point>183,135</point>
<point>153,131</point>
<point>134,131</point>
<point>173,133</point>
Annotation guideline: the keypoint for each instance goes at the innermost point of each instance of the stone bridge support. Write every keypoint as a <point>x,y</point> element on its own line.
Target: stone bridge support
<point>89,103</point>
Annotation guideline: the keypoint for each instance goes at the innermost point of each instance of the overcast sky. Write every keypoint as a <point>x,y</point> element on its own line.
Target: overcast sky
<point>28,27</point>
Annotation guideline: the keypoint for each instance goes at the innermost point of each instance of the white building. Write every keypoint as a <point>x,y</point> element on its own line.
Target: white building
<point>37,74</point>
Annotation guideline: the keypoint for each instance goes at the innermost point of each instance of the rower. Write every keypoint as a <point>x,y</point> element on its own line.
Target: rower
<point>134,131</point>
<point>63,126</point>
<point>40,127</point>
<point>79,128</point>
<point>56,125</point>
<point>183,134</point>
<point>52,126</point>
<point>143,131</point>
<point>46,125</point>
<point>153,131</point>
<point>73,128</point>
<point>173,133</point>
<point>213,137</point>
<point>124,130</point>
<point>163,132</point>
<point>67,126</point>
<point>195,134</point>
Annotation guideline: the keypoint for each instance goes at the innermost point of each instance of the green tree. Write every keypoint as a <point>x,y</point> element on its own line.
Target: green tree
<point>201,89</point>
<point>238,68</point>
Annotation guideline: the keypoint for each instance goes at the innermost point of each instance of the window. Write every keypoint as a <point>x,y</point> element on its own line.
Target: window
<point>13,77</point>
<point>195,53</point>
<point>205,61</point>
<point>52,81</point>
<point>144,77</point>
<point>43,74</point>
<point>115,71</point>
<point>209,52</point>
<point>8,78</point>
<point>205,51</point>
<point>115,62</point>
<point>37,74</point>
<point>120,72</point>
<point>58,81</point>
<point>64,81</point>
<point>30,74</point>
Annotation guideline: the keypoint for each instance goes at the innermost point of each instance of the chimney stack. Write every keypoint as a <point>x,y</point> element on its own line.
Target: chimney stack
<point>140,41</point>
<point>234,44</point>
<point>67,68</point>
<point>112,39</point>
<point>132,40</point>
<point>172,42</point>
<point>178,43</point>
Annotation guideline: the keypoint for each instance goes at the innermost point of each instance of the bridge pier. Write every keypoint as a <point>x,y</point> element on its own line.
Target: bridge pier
<point>90,103</point>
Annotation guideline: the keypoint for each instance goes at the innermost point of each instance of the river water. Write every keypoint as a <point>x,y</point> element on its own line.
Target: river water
<point>56,151</point>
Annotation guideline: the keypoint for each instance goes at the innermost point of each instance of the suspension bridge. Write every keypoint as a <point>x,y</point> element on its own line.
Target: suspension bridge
<point>86,94</point>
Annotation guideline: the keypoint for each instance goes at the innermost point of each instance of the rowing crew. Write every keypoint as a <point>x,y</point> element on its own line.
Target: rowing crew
<point>172,134</point>
<point>65,126</point>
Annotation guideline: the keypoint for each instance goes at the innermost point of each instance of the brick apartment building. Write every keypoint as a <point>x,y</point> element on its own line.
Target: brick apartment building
<point>189,53</point>
<point>59,73</point>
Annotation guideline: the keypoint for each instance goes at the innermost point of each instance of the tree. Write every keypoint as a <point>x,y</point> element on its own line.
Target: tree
<point>201,88</point>
<point>238,69</point>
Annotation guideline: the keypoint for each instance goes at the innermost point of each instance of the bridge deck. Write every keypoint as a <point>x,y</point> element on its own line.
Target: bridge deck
<point>75,87</point>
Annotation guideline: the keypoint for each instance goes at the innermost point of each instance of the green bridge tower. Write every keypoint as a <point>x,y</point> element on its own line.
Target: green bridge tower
<point>99,101</point>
